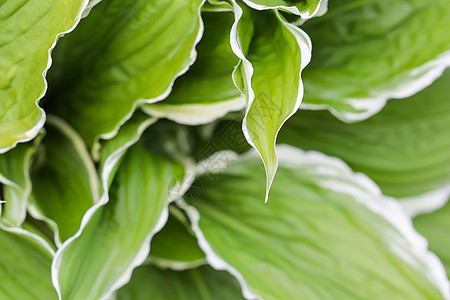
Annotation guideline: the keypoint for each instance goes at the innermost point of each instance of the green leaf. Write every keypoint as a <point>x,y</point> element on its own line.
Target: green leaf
<point>65,183</point>
<point>112,151</point>
<point>217,6</point>
<point>123,54</point>
<point>14,174</point>
<point>25,266</point>
<point>28,33</point>
<point>303,8</point>
<point>404,148</point>
<point>273,54</point>
<point>435,226</point>
<point>206,92</point>
<point>203,283</point>
<point>115,236</point>
<point>326,233</point>
<point>175,246</point>
<point>366,52</point>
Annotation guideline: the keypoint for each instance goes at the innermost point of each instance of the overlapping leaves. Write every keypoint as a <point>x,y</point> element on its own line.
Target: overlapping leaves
<point>332,235</point>
<point>79,214</point>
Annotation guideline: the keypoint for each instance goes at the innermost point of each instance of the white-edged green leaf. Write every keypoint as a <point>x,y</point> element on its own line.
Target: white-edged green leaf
<point>28,33</point>
<point>15,177</point>
<point>175,246</point>
<point>366,52</point>
<point>273,54</point>
<point>115,237</point>
<point>305,9</point>
<point>435,226</point>
<point>64,179</point>
<point>404,148</point>
<point>25,262</point>
<point>203,283</point>
<point>206,92</point>
<point>327,233</point>
<point>123,54</point>
<point>110,154</point>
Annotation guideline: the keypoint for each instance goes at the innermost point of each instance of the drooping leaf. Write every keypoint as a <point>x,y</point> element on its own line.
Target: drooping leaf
<point>366,52</point>
<point>123,54</point>
<point>115,239</point>
<point>15,176</point>
<point>25,262</point>
<point>175,246</point>
<point>326,233</point>
<point>203,283</point>
<point>303,8</point>
<point>28,32</point>
<point>435,226</point>
<point>404,148</point>
<point>206,92</point>
<point>65,183</point>
<point>273,54</point>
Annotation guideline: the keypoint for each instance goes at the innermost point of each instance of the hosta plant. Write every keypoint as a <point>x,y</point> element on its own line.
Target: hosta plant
<point>240,149</point>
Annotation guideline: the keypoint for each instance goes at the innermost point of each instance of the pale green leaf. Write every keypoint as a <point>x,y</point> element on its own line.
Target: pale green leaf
<point>326,233</point>
<point>65,183</point>
<point>25,262</point>
<point>404,148</point>
<point>435,226</point>
<point>203,283</point>
<point>273,54</point>
<point>28,31</point>
<point>123,54</point>
<point>366,52</point>
<point>115,237</point>
<point>206,92</point>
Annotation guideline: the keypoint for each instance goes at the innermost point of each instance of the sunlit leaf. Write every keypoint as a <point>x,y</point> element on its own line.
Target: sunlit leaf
<point>28,32</point>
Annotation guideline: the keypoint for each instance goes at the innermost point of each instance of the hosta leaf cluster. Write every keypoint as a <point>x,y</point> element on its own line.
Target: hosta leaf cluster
<point>235,149</point>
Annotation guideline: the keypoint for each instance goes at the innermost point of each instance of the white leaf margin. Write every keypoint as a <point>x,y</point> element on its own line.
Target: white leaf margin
<point>33,132</point>
<point>366,192</point>
<point>320,10</point>
<point>25,190</point>
<point>427,202</point>
<point>29,235</point>
<point>107,171</point>
<point>305,48</point>
<point>78,144</point>
<point>164,95</point>
<point>194,114</point>
<point>413,82</point>
<point>175,265</point>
